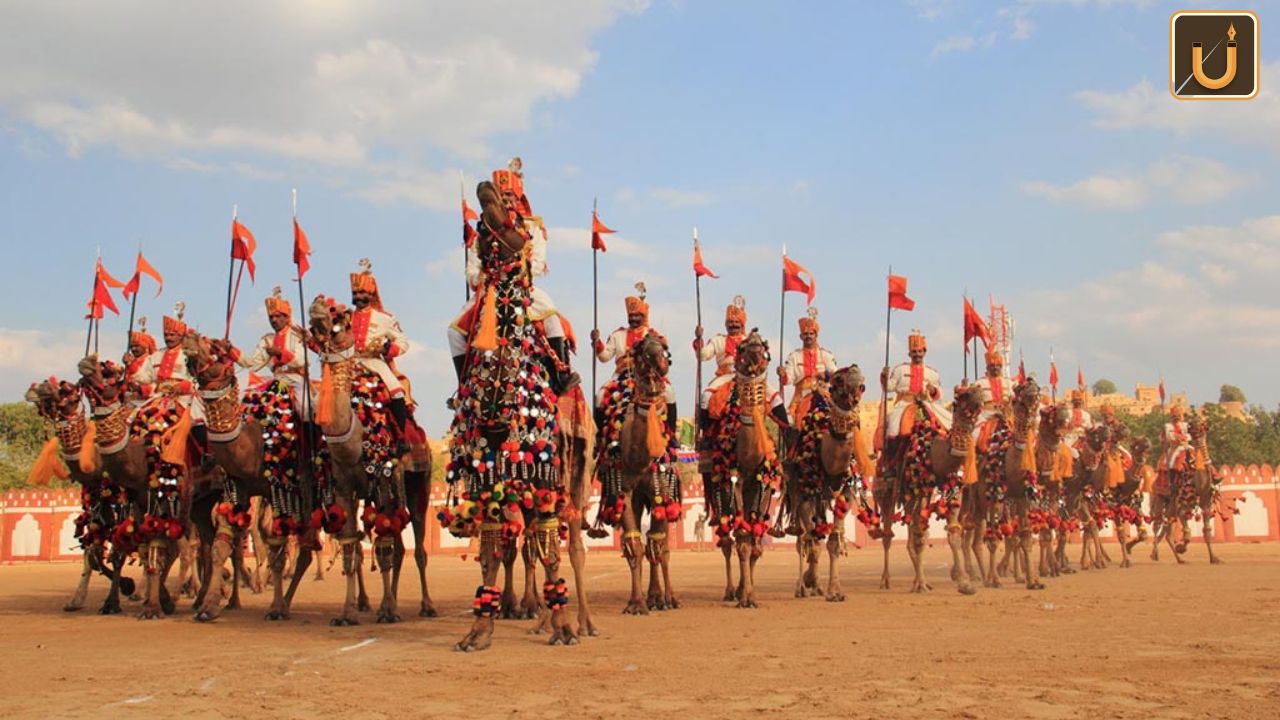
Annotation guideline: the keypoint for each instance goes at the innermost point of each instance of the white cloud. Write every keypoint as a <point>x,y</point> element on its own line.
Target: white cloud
<point>28,356</point>
<point>332,85</point>
<point>1183,179</point>
<point>668,197</point>
<point>962,43</point>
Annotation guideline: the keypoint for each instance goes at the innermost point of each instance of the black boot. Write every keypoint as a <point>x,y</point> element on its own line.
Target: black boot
<point>200,433</point>
<point>400,412</point>
<point>459,364</point>
<point>673,422</point>
<point>561,382</point>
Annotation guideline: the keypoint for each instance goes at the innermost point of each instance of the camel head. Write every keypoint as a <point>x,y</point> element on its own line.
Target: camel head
<point>1027,396</point>
<point>1197,427</point>
<point>968,404</point>
<point>102,382</point>
<point>55,399</point>
<point>1139,449</point>
<point>1097,437</point>
<point>209,361</point>
<point>752,358</point>
<point>846,388</point>
<point>330,325</point>
<point>501,222</point>
<point>1053,423</point>
<point>651,360</point>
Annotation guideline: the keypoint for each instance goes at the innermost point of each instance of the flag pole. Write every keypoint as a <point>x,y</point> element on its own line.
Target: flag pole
<point>697,354</point>
<point>305,444</point>
<point>782,328</point>
<point>133,304</point>
<point>93,303</point>
<point>231,271</point>
<point>964,345</point>
<point>466,251</point>
<point>595,297</point>
<point>884,383</point>
<point>1053,385</point>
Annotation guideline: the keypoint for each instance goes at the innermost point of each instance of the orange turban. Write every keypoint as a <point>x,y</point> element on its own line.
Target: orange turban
<point>277,304</point>
<point>808,324</point>
<point>737,310</point>
<point>637,305</point>
<point>174,324</point>
<point>365,282</point>
<point>994,357</point>
<point>916,341</point>
<point>142,338</point>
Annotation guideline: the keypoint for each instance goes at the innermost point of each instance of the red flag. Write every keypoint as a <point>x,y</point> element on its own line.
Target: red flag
<point>106,278</point>
<point>301,250</point>
<point>101,298</point>
<point>142,267</point>
<point>898,293</point>
<point>468,230</point>
<point>974,327</point>
<point>1079,378</point>
<point>793,282</point>
<point>1162,390</point>
<point>243,245</point>
<point>597,229</point>
<point>1053,373</point>
<point>1022,372</point>
<point>700,270</point>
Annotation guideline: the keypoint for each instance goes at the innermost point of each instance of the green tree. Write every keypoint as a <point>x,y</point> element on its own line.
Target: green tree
<point>21,435</point>
<point>1103,386</point>
<point>1230,393</point>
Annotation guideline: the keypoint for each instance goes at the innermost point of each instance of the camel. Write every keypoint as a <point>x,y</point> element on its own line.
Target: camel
<point>746,470</point>
<point>1193,492</point>
<point>635,468</point>
<point>238,445</point>
<point>576,440</point>
<point>1056,467</point>
<point>828,462</point>
<point>1099,459</point>
<point>1126,500</point>
<point>1022,501</point>
<point>910,482</point>
<point>375,475</point>
<point>502,468</point>
<point>129,442</point>
<point>103,502</point>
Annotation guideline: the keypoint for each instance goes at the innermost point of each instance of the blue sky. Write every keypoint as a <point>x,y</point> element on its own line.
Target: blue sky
<point>1027,150</point>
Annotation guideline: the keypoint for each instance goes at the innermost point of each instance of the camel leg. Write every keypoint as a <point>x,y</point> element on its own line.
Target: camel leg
<point>578,559</point>
<point>111,606</point>
<point>955,539</point>
<point>530,605</point>
<point>915,547</point>
<point>238,571</point>
<point>726,548</point>
<point>82,587</point>
<point>835,548</point>
<point>633,551</point>
<point>305,550</point>
<point>488,595</point>
<point>746,591</point>
<point>384,551</point>
<point>555,592</point>
<point>977,545</point>
<point>277,549</point>
<point>1122,539</point>
<point>219,552</point>
<point>152,563</point>
<point>427,609</point>
<point>349,541</point>
<point>655,599</point>
<point>802,561</point>
<point>1208,537</point>
<point>507,608</point>
<point>1027,540</point>
<point>664,559</point>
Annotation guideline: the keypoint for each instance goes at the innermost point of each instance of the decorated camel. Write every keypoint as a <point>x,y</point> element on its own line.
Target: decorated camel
<point>1126,500</point>
<point>920,482</point>
<point>1188,491</point>
<point>103,503</point>
<point>1056,468</point>
<point>1100,467</point>
<point>637,471</point>
<point>746,470</point>
<point>825,470</point>
<point>1023,502</point>
<point>503,468</point>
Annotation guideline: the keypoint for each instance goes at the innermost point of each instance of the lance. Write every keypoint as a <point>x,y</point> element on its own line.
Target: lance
<point>466,251</point>
<point>307,451</point>
<point>595,299</point>
<point>93,304</point>
<point>133,305</point>
<point>884,383</point>
<point>782,329</point>
<point>233,294</point>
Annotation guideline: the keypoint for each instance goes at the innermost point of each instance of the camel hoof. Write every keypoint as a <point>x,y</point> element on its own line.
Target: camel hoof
<point>71,607</point>
<point>967,590</point>
<point>835,597</point>
<point>150,613</point>
<point>386,617</point>
<point>747,604</point>
<point>730,595</point>
<point>635,607</point>
<point>473,644</point>
<point>673,603</point>
<point>274,615</point>
<point>363,605</point>
<point>343,622</point>
<point>1035,586</point>
<point>654,604</point>
<point>1180,548</point>
<point>109,609</point>
<point>587,628</point>
<point>205,616</point>
<point>428,611</point>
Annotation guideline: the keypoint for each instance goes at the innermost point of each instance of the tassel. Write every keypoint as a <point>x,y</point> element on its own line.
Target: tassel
<point>1148,479</point>
<point>764,443</point>
<point>1114,470</point>
<point>174,440</point>
<point>47,464</point>
<point>971,465</point>
<point>1197,459</point>
<point>1027,463</point>
<point>655,435</point>
<point>88,458</point>
<point>1061,464</point>
<point>324,404</point>
<point>487,335</point>
<point>860,454</point>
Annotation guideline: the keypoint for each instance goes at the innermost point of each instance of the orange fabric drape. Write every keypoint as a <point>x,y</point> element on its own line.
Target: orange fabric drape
<point>174,440</point>
<point>863,457</point>
<point>47,464</point>
<point>655,437</point>
<point>88,460</point>
<point>324,404</point>
<point>487,336</point>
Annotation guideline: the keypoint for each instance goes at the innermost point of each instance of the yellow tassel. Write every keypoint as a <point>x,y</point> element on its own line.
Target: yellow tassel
<point>88,458</point>
<point>324,404</point>
<point>764,443</point>
<point>971,465</point>
<point>1027,463</point>
<point>1061,464</point>
<point>1114,470</point>
<point>1198,459</point>
<point>174,440</point>
<point>860,454</point>
<point>487,335</point>
<point>655,437</point>
<point>47,464</point>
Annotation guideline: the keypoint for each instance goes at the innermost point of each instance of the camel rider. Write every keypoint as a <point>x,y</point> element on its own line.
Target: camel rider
<point>1119,433</point>
<point>618,348</point>
<point>510,186</point>
<point>166,373</point>
<point>1081,421</point>
<point>913,385</point>
<point>282,350</point>
<point>723,348</point>
<point>378,341</point>
<point>997,397</point>
<point>807,368</point>
<point>141,346</point>
<point>1176,440</point>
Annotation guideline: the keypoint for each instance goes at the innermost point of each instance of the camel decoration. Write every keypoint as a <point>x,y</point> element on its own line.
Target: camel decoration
<point>502,470</point>
<point>908,484</point>
<point>351,411</point>
<point>104,503</point>
<point>255,442</point>
<point>638,474</point>
<point>825,470</point>
<point>746,470</point>
<point>132,445</point>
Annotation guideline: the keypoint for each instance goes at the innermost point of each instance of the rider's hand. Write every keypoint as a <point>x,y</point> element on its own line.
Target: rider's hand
<point>782,375</point>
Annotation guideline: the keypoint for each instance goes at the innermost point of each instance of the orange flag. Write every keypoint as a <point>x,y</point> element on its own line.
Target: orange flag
<point>898,293</point>
<point>597,229</point>
<point>301,250</point>
<point>101,298</point>
<point>974,327</point>
<point>468,216</point>
<point>793,282</point>
<point>106,278</point>
<point>243,246</point>
<point>143,268</point>
<point>700,270</point>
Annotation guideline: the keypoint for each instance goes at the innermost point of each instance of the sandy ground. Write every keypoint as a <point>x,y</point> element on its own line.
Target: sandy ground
<point>1156,640</point>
